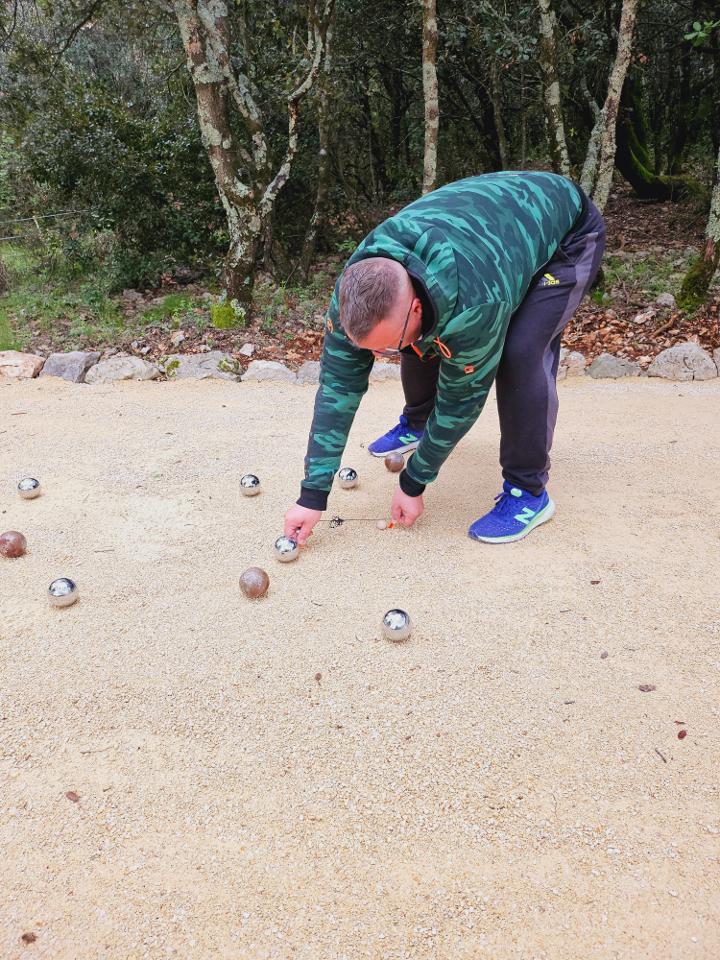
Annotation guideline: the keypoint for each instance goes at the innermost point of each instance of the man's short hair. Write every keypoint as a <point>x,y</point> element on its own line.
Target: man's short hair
<point>368,291</point>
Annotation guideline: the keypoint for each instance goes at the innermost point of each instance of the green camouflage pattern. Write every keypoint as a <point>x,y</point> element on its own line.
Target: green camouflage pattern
<point>476,246</point>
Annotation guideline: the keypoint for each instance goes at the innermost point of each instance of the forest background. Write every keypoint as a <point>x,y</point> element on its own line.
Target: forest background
<point>192,175</point>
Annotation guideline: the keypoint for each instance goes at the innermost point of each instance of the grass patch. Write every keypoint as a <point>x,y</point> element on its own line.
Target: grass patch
<point>647,277</point>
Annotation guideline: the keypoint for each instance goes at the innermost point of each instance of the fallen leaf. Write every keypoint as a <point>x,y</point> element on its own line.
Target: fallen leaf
<point>71,795</point>
<point>647,687</point>
<point>594,582</point>
<point>28,938</point>
<point>682,734</point>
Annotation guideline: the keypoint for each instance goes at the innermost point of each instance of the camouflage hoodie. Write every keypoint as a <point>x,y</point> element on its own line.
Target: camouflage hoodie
<point>474,246</point>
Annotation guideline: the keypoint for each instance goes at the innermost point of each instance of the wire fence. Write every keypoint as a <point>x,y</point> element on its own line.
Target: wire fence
<point>35,218</point>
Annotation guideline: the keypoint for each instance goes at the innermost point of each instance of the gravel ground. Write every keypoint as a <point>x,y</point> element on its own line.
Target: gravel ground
<point>186,773</point>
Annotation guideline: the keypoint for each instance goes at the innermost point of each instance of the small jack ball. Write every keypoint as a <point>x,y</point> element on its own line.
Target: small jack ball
<point>29,488</point>
<point>63,592</point>
<point>348,478</point>
<point>286,549</point>
<point>394,462</point>
<point>396,625</point>
<point>249,485</point>
<point>12,544</point>
<point>254,583</point>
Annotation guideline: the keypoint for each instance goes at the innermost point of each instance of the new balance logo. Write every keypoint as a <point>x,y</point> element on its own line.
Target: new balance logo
<point>548,280</point>
<point>526,516</point>
<point>408,438</point>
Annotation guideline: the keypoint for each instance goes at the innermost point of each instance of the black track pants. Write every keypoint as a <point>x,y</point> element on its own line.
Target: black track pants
<point>526,384</point>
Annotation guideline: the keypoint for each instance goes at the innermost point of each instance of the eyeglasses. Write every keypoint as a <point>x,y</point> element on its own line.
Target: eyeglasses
<point>389,352</point>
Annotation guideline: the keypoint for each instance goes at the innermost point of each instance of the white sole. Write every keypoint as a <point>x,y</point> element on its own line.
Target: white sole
<point>545,514</point>
<point>409,446</point>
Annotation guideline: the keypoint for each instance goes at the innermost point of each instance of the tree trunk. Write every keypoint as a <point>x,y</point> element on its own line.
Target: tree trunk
<point>553,105</point>
<point>430,91</point>
<point>317,220</point>
<point>589,170</point>
<point>243,174</point>
<point>523,119</point>
<point>607,150</point>
<point>698,278</point>
<point>496,97</point>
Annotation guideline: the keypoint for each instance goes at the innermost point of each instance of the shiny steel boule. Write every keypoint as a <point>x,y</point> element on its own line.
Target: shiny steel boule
<point>396,625</point>
<point>29,488</point>
<point>348,478</point>
<point>249,485</point>
<point>63,592</point>
<point>286,549</point>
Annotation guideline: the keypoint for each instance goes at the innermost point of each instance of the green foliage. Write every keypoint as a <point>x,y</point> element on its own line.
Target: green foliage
<point>701,32</point>
<point>109,128</point>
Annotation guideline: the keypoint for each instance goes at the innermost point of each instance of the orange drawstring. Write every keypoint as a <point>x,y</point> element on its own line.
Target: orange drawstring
<point>445,351</point>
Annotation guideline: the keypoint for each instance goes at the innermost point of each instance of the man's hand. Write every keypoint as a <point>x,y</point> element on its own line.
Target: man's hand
<point>299,522</point>
<point>405,509</point>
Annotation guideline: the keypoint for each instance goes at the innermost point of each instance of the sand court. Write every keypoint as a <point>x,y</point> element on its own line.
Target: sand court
<point>271,779</point>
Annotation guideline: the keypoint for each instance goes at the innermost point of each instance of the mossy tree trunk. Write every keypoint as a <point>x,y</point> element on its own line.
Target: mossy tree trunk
<point>633,158</point>
<point>697,280</point>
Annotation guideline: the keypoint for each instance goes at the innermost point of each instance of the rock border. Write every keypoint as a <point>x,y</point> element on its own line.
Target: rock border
<point>681,362</point>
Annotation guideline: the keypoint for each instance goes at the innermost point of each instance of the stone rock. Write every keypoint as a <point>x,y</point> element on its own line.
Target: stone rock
<point>121,367</point>
<point>70,366</point>
<point>261,370</point>
<point>247,349</point>
<point>666,301</point>
<point>684,361</point>
<point>680,262</point>
<point>606,365</point>
<point>15,365</point>
<point>309,372</point>
<point>385,371</point>
<point>177,338</point>
<point>647,314</point>
<point>572,364</point>
<point>201,366</point>
<point>689,252</point>
<point>132,296</point>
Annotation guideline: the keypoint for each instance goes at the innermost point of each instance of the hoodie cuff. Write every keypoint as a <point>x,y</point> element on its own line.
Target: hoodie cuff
<point>313,499</point>
<point>409,486</point>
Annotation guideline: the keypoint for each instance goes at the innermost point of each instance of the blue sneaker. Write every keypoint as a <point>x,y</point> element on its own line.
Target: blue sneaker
<point>397,440</point>
<point>515,514</point>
